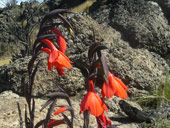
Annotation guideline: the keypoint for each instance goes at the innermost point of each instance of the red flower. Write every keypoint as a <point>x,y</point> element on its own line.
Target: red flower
<point>114,87</point>
<point>103,121</point>
<point>62,46</point>
<point>60,110</point>
<point>60,39</point>
<point>60,71</point>
<point>92,102</point>
<point>53,123</point>
<point>56,58</point>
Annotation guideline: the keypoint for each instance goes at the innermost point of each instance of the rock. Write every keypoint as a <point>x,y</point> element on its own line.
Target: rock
<point>18,23</point>
<point>138,68</point>
<point>141,23</point>
<point>165,6</point>
<point>9,110</point>
<point>15,77</point>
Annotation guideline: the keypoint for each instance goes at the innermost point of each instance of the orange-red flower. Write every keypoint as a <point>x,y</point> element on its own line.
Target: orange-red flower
<point>60,39</point>
<point>60,110</point>
<point>92,102</point>
<point>62,46</point>
<point>103,121</point>
<point>52,123</point>
<point>114,87</point>
<point>56,57</point>
<point>60,71</point>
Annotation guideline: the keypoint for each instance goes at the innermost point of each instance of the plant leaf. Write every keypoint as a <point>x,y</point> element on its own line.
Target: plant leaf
<point>20,115</point>
<point>94,65</point>
<point>31,82</point>
<point>68,25</point>
<point>104,67</point>
<point>38,48</point>
<point>31,62</point>
<point>47,103</point>
<point>53,14</point>
<point>69,123</point>
<point>39,123</point>
<point>26,121</point>
<point>49,113</point>
<point>60,95</point>
<point>44,28</point>
<point>94,48</point>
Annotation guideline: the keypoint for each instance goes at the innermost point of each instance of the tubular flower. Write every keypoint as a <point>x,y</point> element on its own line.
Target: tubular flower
<point>62,46</point>
<point>52,123</point>
<point>60,110</point>
<point>92,102</point>
<point>114,87</point>
<point>60,71</point>
<point>60,39</point>
<point>103,121</point>
<point>56,58</point>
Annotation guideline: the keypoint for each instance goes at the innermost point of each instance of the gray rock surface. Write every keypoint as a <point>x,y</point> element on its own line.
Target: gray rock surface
<point>138,68</point>
<point>14,76</point>
<point>141,23</point>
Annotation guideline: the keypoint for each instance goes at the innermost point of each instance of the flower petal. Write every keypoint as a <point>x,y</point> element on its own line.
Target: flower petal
<point>90,102</point>
<point>50,66</point>
<point>53,123</point>
<point>120,91</point>
<point>103,121</point>
<point>46,50</point>
<point>49,44</point>
<point>61,43</point>
<point>60,71</point>
<point>121,83</point>
<point>63,60</point>
<point>60,110</point>
<point>108,90</point>
<point>60,39</point>
<point>66,57</point>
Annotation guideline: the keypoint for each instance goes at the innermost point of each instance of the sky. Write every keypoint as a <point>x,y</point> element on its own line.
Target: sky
<point>19,1</point>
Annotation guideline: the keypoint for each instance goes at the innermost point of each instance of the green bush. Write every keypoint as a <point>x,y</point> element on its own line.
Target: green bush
<point>157,123</point>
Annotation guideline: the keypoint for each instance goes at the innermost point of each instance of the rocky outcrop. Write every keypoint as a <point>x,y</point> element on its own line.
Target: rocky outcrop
<point>19,28</point>
<point>141,23</point>
<point>14,76</point>
<point>139,69</point>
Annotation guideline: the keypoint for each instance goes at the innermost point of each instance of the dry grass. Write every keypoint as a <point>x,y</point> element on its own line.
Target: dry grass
<point>4,60</point>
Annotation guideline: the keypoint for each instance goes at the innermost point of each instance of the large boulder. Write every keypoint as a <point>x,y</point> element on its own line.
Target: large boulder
<point>165,6</point>
<point>138,68</point>
<point>14,76</point>
<point>141,23</point>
